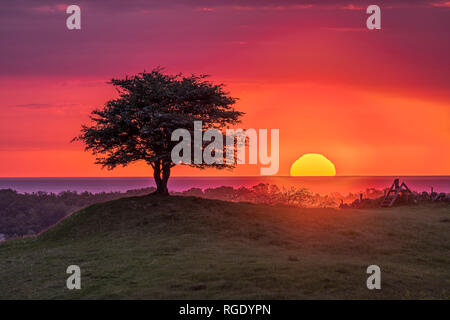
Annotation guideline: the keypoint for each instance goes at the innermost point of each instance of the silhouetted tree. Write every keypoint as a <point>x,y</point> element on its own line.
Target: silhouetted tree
<point>151,105</point>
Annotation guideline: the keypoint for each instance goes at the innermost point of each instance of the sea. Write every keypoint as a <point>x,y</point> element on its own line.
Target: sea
<point>321,185</point>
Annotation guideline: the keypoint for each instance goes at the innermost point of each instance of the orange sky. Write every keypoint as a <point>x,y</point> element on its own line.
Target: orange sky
<point>374,103</point>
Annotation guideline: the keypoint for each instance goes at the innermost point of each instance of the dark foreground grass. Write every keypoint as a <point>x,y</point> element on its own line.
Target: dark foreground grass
<point>188,248</point>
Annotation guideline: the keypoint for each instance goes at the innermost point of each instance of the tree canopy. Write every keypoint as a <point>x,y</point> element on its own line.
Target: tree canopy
<point>138,125</point>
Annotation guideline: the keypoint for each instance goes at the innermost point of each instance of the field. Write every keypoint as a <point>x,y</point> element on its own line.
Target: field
<point>188,248</point>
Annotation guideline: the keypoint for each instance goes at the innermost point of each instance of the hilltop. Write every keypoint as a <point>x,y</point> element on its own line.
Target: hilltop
<point>153,247</point>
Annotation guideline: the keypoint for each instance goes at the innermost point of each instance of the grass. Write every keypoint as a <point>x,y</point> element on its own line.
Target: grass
<point>188,248</point>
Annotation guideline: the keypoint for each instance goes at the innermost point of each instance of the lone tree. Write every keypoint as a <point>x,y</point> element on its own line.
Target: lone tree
<point>151,105</point>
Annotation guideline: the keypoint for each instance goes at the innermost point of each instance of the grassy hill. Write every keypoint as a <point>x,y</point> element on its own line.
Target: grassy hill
<point>183,247</point>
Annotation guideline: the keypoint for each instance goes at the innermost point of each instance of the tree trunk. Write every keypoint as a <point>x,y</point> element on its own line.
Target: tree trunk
<point>161,174</point>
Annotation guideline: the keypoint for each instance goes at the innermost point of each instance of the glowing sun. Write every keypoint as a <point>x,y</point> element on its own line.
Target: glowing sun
<point>313,164</point>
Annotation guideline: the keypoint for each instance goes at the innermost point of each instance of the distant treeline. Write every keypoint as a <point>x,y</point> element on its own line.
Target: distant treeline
<point>275,195</point>
<point>27,214</point>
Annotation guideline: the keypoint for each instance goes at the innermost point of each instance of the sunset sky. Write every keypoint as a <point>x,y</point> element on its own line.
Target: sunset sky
<point>374,102</point>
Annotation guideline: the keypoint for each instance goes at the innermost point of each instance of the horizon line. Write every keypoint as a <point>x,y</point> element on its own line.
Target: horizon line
<point>259,176</point>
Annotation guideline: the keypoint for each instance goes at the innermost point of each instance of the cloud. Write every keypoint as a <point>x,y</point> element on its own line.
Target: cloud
<point>351,6</point>
<point>32,106</point>
<point>441,4</point>
<point>205,9</point>
<point>49,6</point>
<point>39,106</point>
<point>344,29</point>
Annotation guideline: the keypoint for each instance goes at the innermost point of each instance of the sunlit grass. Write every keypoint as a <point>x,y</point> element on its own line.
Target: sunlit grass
<point>188,248</point>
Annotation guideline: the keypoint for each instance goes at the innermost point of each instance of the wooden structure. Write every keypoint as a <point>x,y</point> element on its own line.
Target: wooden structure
<point>394,192</point>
